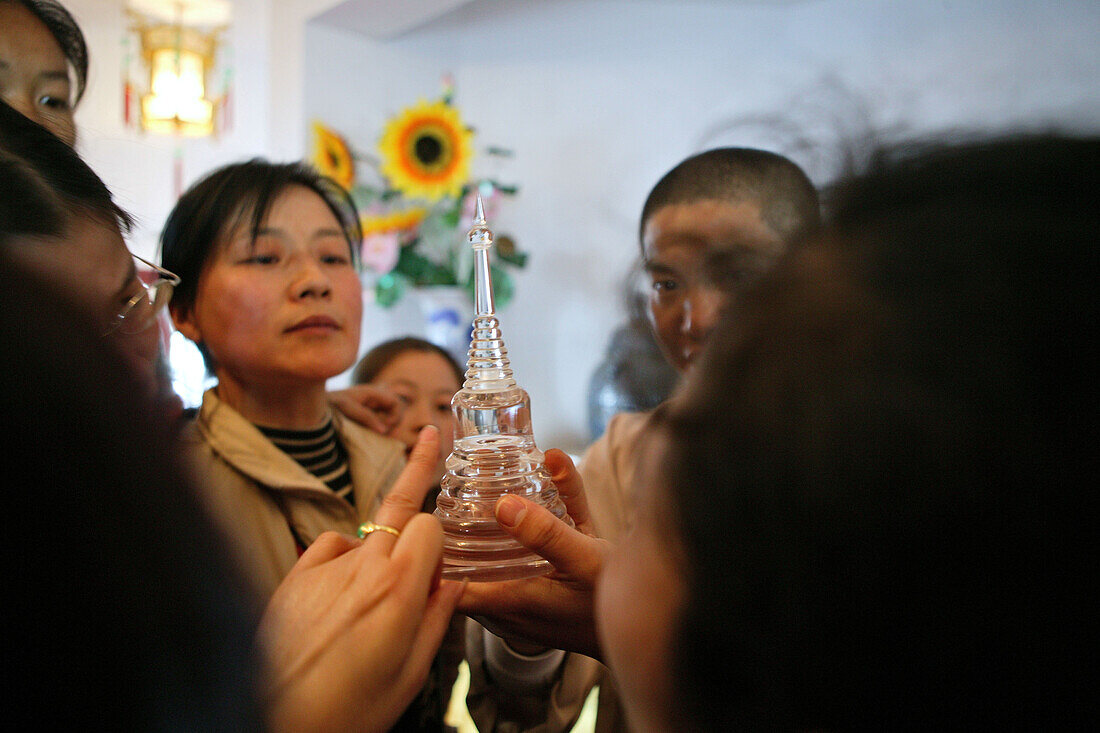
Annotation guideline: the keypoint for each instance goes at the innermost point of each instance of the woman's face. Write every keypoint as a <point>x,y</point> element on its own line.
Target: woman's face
<point>34,73</point>
<point>282,310</point>
<point>424,382</point>
<point>639,598</point>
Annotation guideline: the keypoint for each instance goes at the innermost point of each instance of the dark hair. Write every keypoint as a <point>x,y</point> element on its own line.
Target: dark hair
<point>379,357</point>
<point>130,598</point>
<point>223,199</point>
<point>33,153</point>
<point>61,25</point>
<point>788,200</point>
<point>871,467</point>
<point>28,208</point>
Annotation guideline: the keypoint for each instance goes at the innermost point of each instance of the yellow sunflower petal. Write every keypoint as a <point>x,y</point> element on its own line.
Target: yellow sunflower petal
<point>426,151</point>
<point>392,221</point>
<point>331,156</point>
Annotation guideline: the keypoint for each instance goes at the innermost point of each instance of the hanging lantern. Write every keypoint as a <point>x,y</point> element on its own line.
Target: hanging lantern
<point>178,59</point>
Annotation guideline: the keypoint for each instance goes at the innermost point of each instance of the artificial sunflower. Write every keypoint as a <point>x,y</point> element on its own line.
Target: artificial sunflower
<point>426,151</point>
<point>393,221</point>
<point>332,157</point>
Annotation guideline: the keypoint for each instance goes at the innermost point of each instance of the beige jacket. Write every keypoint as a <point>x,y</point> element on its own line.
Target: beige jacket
<point>257,492</point>
<point>609,467</point>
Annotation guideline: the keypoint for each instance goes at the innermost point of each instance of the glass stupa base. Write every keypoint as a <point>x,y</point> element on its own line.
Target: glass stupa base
<point>475,547</point>
<point>526,565</point>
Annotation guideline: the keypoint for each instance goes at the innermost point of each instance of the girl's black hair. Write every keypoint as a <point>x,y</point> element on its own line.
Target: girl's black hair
<point>223,199</point>
<point>379,357</point>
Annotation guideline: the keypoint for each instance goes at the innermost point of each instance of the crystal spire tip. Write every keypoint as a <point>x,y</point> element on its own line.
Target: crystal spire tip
<point>480,237</point>
<point>479,210</point>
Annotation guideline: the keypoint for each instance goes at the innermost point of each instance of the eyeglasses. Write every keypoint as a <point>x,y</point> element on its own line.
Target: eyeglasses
<point>140,311</point>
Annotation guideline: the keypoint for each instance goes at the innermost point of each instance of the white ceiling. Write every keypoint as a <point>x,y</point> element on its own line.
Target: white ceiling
<point>188,12</point>
<point>382,19</point>
<point>385,18</point>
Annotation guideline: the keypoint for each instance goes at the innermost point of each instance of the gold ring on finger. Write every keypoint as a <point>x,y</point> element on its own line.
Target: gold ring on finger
<point>367,527</point>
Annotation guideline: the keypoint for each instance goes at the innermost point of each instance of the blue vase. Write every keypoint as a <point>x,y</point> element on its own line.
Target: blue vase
<point>448,313</point>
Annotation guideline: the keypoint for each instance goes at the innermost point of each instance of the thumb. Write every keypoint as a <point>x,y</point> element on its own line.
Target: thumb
<point>570,487</point>
<point>536,528</point>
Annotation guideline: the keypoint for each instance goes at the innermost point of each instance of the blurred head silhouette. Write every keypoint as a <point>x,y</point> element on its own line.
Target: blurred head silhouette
<point>863,508</point>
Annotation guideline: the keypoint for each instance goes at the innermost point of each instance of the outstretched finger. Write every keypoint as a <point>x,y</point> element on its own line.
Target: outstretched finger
<point>570,486</point>
<point>418,554</point>
<point>536,528</point>
<point>406,497</point>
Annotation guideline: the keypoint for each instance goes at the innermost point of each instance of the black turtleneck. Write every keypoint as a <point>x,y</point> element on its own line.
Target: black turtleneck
<point>319,452</point>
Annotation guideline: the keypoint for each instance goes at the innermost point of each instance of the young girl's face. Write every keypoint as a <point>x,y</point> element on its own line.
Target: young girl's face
<point>283,310</point>
<point>425,383</point>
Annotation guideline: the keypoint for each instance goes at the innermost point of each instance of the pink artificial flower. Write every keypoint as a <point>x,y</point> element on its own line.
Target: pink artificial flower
<point>379,251</point>
<point>490,199</point>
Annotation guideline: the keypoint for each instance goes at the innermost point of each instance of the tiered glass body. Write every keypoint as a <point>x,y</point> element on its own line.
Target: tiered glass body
<point>494,451</point>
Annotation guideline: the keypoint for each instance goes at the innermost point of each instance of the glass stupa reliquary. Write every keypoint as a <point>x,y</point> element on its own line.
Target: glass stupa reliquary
<point>494,449</point>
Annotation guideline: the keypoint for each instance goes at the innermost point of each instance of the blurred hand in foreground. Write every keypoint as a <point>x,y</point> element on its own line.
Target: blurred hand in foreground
<point>351,632</point>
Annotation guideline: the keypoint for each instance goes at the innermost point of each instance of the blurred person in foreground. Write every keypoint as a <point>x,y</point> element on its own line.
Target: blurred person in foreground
<point>135,610</point>
<point>80,246</point>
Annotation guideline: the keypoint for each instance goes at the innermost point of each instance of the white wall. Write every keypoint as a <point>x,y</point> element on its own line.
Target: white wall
<point>600,98</point>
<point>265,42</point>
<point>139,168</point>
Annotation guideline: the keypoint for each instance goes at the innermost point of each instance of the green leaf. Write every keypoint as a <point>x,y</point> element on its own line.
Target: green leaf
<point>410,263</point>
<point>420,270</point>
<point>506,189</point>
<point>516,259</point>
<point>452,214</point>
<point>363,196</point>
<point>503,287</point>
<point>436,275</point>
